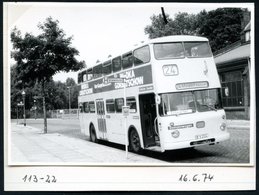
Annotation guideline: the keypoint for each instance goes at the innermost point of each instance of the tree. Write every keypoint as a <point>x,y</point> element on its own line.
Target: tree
<point>221,26</point>
<point>40,57</point>
<point>183,24</point>
<point>158,28</point>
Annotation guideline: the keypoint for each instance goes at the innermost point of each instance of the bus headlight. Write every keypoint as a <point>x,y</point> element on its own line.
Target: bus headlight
<point>175,133</point>
<point>223,126</point>
<point>200,124</point>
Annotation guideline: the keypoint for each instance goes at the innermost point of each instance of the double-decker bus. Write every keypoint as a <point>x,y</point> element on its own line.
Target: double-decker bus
<point>172,89</point>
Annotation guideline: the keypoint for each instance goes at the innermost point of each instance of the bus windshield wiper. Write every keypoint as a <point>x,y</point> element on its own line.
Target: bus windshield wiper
<point>211,107</point>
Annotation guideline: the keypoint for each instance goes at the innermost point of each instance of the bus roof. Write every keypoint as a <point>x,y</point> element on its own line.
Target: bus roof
<point>171,38</point>
<point>177,38</point>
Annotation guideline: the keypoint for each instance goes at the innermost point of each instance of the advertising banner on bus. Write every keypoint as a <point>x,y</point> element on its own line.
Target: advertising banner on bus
<point>131,78</point>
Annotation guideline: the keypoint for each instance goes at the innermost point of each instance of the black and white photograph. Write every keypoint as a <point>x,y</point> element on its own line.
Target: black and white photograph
<point>160,85</point>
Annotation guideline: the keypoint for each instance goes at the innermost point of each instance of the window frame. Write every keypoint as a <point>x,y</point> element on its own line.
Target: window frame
<point>92,103</point>
<point>168,57</point>
<point>86,107</point>
<point>140,49</point>
<point>129,60</point>
<point>113,67</point>
<point>116,107</point>
<point>95,69</point>
<point>135,100</point>
<point>107,103</point>
<point>185,53</point>
<point>105,65</point>
<point>90,70</point>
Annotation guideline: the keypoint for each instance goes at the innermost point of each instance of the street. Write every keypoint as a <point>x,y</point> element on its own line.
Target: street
<point>235,150</point>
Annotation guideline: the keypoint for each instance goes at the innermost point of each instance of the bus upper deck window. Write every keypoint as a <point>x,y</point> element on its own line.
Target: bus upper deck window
<point>107,67</point>
<point>141,55</point>
<point>168,50</point>
<point>79,78</point>
<point>89,74</point>
<point>84,76</point>
<point>116,64</point>
<point>197,49</point>
<point>97,70</point>
<point>127,60</point>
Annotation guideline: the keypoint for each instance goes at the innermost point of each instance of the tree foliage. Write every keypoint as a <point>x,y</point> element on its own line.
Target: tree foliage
<point>40,57</point>
<point>221,26</point>
<point>56,94</point>
<point>183,23</point>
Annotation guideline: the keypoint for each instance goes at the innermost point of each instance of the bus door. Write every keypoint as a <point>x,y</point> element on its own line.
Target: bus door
<point>101,119</point>
<point>148,116</point>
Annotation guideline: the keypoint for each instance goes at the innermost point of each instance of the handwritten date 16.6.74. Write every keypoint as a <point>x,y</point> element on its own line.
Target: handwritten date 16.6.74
<point>204,177</point>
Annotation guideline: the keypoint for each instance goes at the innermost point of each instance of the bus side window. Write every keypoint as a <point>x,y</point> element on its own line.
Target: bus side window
<point>118,104</point>
<point>84,76</point>
<point>110,106</point>
<point>81,106</point>
<point>79,78</point>
<point>127,60</point>
<point>131,102</point>
<point>107,67</point>
<point>141,55</point>
<point>97,70</point>
<point>86,107</point>
<point>89,74</point>
<point>116,64</point>
<point>91,107</point>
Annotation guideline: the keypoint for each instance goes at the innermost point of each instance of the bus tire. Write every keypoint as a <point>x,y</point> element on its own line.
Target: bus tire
<point>93,137</point>
<point>134,141</point>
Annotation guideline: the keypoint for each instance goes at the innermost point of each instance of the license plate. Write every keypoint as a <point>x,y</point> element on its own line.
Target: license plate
<point>206,141</point>
<point>202,136</point>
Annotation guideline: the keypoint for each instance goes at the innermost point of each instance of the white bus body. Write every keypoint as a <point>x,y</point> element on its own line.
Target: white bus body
<point>174,97</point>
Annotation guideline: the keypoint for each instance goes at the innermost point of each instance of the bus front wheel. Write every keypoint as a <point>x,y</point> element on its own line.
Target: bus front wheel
<point>93,137</point>
<point>134,141</point>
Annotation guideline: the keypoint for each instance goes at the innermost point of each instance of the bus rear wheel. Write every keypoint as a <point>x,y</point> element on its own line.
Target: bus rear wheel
<point>93,137</point>
<point>134,141</point>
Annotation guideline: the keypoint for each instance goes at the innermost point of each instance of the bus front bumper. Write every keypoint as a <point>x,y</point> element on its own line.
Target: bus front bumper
<point>194,143</point>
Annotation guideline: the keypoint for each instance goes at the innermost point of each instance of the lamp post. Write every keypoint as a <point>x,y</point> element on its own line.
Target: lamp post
<point>69,104</point>
<point>35,109</point>
<point>24,115</point>
<point>17,112</point>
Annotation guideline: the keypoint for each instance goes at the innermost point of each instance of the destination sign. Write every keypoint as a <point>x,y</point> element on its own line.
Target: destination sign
<point>191,85</point>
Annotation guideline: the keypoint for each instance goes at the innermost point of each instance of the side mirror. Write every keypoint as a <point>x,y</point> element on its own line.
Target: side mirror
<point>158,99</point>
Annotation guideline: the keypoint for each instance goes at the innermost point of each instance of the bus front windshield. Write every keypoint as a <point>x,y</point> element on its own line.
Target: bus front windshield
<point>190,102</point>
<point>180,50</point>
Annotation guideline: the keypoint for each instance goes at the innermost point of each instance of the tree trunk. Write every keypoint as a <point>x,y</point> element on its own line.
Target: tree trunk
<point>44,107</point>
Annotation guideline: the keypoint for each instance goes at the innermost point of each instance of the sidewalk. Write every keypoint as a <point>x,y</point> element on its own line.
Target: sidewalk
<point>238,124</point>
<point>30,146</point>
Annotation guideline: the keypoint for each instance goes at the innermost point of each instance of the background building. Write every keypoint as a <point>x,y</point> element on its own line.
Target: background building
<point>233,64</point>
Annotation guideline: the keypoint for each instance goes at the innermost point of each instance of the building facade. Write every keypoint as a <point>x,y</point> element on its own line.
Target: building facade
<point>233,64</point>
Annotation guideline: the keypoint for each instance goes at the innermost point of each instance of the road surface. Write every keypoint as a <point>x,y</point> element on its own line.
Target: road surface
<point>235,150</point>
